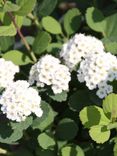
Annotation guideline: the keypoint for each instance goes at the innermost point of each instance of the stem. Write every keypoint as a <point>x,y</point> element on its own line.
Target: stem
<point>33,18</point>
<point>112,126</point>
<point>31,53</point>
<point>22,37</point>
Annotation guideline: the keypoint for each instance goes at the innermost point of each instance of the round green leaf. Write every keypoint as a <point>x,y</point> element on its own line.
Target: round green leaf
<point>9,30</point>
<point>54,48</point>
<point>22,125</point>
<point>72,21</point>
<point>26,6</point>
<point>72,151</point>
<point>67,129</point>
<point>41,42</point>
<point>93,115</point>
<point>110,27</point>
<point>110,44</point>
<point>46,7</point>
<point>61,143</point>
<point>51,25</point>
<point>9,136</point>
<point>111,47</point>
<point>46,141</point>
<point>30,39</point>
<point>77,100</point>
<point>59,97</point>
<point>17,57</point>
<point>6,42</point>
<point>10,7</point>
<point>27,21</point>
<point>46,119</point>
<point>110,106</point>
<point>99,133</point>
<point>95,19</point>
<point>10,132</point>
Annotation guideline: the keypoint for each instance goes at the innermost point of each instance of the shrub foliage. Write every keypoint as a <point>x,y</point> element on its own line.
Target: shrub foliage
<point>76,120</point>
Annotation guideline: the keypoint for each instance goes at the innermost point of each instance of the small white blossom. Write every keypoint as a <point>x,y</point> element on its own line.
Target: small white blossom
<point>49,71</point>
<point>7,72</point>
<point>19,101</point>
<point>97,70</point>
<point>101,93</point>
<point>78,48</point>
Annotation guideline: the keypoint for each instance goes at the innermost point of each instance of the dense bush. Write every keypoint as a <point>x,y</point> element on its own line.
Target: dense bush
<point>58,77</point>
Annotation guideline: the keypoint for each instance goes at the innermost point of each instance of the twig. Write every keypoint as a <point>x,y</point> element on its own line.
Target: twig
<point>33,18</point>
<point>22,36</point>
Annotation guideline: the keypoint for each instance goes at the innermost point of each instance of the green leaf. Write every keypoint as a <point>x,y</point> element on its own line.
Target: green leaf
<point>46,7</point>
<point>95,19</point>
<point>46,141</point>
<point>59,97</point>
<point>11,132</point>
<point>46,119</point>
<point>22,125</point>
<point>17,57</point>
<point>72,21</point>
<point>110,106</point>
<point>51,25</point>
<point>7,30</point>
<point>68,113</point>
<point>110,27</point>
<point>93,115</point>
<point>26,7</point>
<point>30,40</point>
<point>10,7</point>
<point>9,136</point>
<point>77,100</point>
<point>66,129</point>
<point>19,20</point>
<point>99,133</point>
<point>72,151</point>
<point>94,98</point>
<point>61,143</point>
<point>27,21</point>
<point>6,42</point>
<point>111,47</point>
<point>41,42</point>
<point>54,48</point>
<point>110,44</point>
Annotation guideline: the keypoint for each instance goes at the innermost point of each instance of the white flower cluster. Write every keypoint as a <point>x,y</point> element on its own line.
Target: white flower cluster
<point>49,71</point>
<point>97,70</point>
<point>19,101</point>
<point>78,48</point>
<point>7,72</point>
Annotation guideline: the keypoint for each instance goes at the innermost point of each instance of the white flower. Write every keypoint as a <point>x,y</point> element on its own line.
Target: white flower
<point>97,70</point>
<point>78,48</point>
<point>101,93</point>
<point>104,90</point>
<point>7,72</point>
<point>49,71</point>
<point>60,79</point>
<point>19,101</point>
